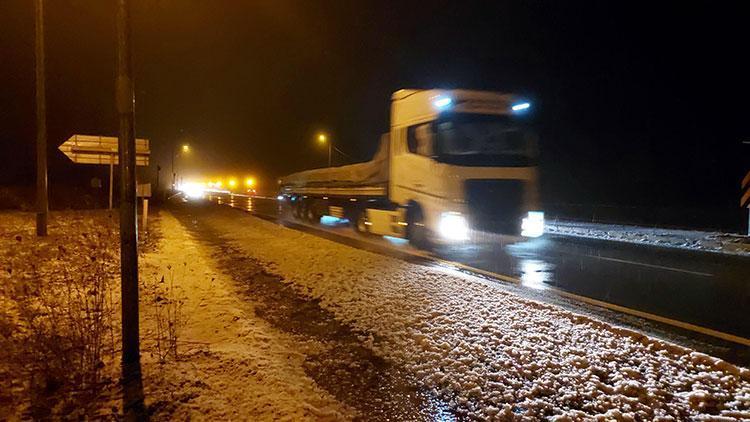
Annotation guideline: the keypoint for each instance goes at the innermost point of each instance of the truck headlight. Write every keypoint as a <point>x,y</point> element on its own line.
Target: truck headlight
<point>533,224</point>
<point>453,226</point>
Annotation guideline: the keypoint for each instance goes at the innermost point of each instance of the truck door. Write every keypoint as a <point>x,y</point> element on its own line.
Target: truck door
<point>414,166</point>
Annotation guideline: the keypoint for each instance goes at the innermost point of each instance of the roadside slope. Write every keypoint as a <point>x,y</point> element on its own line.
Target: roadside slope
<point>231,364</point>
<point>488,352</point>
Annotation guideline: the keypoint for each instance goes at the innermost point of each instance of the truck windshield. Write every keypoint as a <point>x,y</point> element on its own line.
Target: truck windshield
<point>483,140</point>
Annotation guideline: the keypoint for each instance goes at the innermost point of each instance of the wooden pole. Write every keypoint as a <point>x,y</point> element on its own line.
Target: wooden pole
<point>42,205</point>
<point>111,177</point>
<point>132,384</point>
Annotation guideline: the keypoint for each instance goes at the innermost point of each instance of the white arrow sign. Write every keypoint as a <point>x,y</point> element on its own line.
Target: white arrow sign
<point>87,149</point>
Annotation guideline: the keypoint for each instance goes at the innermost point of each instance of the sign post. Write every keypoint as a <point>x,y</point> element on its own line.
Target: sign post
<point>144,191</point>
<point>745,198</point>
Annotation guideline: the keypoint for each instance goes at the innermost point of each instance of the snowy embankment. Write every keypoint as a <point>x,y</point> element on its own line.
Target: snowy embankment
<point>686,239</point>
<point>58,310</point>
<point>232,364</point>
<point>489,353</point>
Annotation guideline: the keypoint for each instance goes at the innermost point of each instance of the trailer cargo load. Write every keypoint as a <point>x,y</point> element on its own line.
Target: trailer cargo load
<point>347,179</point>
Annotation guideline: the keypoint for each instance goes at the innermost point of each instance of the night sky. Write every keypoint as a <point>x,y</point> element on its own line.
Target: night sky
<point>637,105</point>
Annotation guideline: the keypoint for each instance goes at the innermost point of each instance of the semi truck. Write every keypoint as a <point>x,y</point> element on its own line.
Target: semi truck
<point>454,163</point>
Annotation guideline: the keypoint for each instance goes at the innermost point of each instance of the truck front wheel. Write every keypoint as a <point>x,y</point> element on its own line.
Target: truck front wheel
<point>416,231</point>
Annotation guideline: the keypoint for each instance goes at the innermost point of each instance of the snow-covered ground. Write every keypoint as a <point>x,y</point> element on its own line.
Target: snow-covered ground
<point>489,353</point>
<point>232,364</point>
<point>57,309</point>
<point>686,239</point>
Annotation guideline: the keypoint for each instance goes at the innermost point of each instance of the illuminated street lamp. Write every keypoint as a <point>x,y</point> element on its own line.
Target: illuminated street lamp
<point>232,183</point>
<point>185,148</point>
<point>323,139</point>
<point>249,182</point>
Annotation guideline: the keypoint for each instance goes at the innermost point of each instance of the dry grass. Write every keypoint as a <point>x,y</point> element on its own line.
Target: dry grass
<point>58,315</point>
<point>166,303</point>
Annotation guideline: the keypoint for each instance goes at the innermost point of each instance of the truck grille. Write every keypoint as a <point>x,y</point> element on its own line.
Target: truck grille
<point>495,205</point>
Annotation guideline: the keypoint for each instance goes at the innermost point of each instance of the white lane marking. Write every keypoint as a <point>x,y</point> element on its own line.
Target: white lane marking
<point>642,264</point>
<point>647,315</point>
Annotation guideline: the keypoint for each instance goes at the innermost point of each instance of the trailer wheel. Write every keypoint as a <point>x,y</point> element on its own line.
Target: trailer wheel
<point>310,214</point>
<point>297,208</point>
<point>416,231</point>
<point>360,222</point>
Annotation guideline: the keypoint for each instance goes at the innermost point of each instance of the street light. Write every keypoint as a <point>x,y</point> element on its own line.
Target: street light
<point>185,148</point>
<point>323,139</point>
<point>249,182</point>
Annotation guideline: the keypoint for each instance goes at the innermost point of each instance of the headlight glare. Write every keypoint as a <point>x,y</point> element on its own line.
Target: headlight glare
<point>533,224</point>
<point>453,226</point>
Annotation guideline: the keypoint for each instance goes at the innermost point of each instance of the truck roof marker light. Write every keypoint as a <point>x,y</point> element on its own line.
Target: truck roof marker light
<point>520,107</point>
<point>442,102</point>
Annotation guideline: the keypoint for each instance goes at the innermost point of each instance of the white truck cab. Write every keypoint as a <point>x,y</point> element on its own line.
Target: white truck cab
<point>454,162</point>
<point>467,160</point>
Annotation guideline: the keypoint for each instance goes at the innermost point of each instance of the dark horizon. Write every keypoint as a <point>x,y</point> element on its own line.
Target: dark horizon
<point>637,105</point>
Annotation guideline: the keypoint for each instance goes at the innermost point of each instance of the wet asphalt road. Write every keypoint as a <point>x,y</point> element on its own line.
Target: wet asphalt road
<point>702,288</point>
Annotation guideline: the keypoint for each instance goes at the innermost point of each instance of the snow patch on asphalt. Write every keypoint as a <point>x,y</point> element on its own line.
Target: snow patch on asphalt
<point>489,353</point>
<point>727,243</point>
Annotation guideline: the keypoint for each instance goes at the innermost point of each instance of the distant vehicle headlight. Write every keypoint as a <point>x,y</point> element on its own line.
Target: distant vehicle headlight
<point>280,197</point>
<point>453,226</point>
<point>533,224</point>
<point>192,190</point>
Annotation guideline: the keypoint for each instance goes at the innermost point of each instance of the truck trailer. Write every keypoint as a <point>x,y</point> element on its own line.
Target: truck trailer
<point>455,162</point>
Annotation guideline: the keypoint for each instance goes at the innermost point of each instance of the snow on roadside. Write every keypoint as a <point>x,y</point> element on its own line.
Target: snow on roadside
<point>232,365</point>
<point>490,353</point>
<point>685,239</point>
<point>57,311</point>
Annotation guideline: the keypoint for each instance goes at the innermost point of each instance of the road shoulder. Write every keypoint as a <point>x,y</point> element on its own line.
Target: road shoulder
<point>230,364</point>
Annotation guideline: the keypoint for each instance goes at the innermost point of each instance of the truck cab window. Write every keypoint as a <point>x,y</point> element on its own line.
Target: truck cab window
<point>484,140</point>
<point>420,139</point>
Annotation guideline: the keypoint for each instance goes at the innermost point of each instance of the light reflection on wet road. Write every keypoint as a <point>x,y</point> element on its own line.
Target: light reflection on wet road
<point>706,289</point>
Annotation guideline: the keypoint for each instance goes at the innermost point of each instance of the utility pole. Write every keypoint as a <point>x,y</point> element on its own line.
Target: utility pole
<point>174,175</point>
<point>329,153</point>
<point>42,206</point>
<point>132,384</point>
<point>158,187</point>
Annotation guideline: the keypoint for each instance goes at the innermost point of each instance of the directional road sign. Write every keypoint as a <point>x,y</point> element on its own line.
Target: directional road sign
<point>87,149</point>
